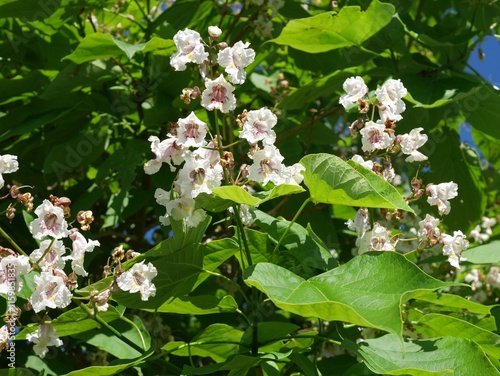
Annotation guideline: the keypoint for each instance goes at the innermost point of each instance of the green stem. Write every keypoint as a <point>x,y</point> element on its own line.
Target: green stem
<point>100,321</point>
<point>12,242</point>
<point>45,253</point>
<point>291,224</point>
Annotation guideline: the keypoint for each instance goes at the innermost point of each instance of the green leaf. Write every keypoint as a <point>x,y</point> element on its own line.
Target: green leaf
<point>226,196</point>
<point>115,368</point>
<point>452,301</point>
<point>199,305</point>
<point>480,110</point>
<point>218,342</point>
<point>347,293</point>
<point>440,356</point>
<point>269,332</point>
<point>333,181</point>
<point>101,46</point>
<point>107,341</point>
<point>436,325</point>
<point>329,31</point>
<point>301,243</point>
<point>484,254</point>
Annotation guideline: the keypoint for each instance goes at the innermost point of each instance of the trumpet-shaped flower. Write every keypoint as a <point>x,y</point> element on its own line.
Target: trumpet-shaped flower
<point>167,151</point>
<point>411,142</point>
<point>235,59</point>
<point>190,49</point>
<point>50,222</point>
<point>80,247</point>
<point>374,137</point>
<point>440,194</point>
<point>355,88</point>
<point>453,246</point>
<point>258,127</point>
<point>390,100</point>
<point>378,239</point>
<point>267,166</point>
<point>181,208</point>
<point>429,230</point>
<point>218,95</point>
<point>44,336</point>
<point>191,131</point>
<point>198,176</point>
<point>138,278</point>
<point>359,159</point>
<point>11,270</point>
<point>53,258</point>
<point>50,291</point>
<point>8,164</point>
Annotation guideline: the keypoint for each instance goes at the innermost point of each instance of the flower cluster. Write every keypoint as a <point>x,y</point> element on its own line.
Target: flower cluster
<point>202,164</point>
<point>379,136</point>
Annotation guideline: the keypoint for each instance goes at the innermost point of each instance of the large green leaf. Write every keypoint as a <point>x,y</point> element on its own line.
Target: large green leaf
<point>331,180</point>
<point>29,10</point>
<point>436,325</point>
<point>458,356</point>
<point>484,254</point>
<point>480,109</point>
<point>451,302</point>
<point>331,30</point>
<point>367,291</point>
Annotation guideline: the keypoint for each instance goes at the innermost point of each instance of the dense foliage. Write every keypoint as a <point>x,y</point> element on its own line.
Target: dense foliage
<point>324,218</point>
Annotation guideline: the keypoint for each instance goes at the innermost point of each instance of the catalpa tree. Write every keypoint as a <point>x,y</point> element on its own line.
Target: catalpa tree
<point>258,188</point>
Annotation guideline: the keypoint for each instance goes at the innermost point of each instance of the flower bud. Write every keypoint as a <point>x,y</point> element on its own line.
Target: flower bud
<point>214,32</point>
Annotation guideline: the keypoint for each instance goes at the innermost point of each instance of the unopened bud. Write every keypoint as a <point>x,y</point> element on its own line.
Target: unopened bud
<point>214,32</point>
<point>10,213</point>
<point>222,46</point>
<point>242,118</point>
<point>131,254</point>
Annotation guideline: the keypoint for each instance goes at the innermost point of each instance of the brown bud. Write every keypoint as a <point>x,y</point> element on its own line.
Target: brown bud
<point>227,160</point>
<point>131,254</point>
<point>4,252</point>
<point>85,218</point>
<point>62,202</point>
<point>242,118</point>
<point>363,106</point>
<point>118,254</point>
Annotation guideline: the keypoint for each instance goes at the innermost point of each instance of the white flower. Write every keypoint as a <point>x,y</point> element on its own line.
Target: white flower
<point>474,278</point>
<point>218,95</point>
<point>190,49</point>
<point>440,194</point>
<point>429,230</point>
<point>11,270</point>
<point>477,236</point>
<point>292,174</point>
<point>50,291</point>
<point>138,278</point>
<point>179,208</point>
<point>453,246</point>
<point>378,239</point>
<point>53,258</point>
<point>210,152</point>
<point>258,127</point>
<point>235,59</point>
<point>359,159</point>
<point>411,142</point>
<point>494,277</point>
<point>488,223</point>
<point>361,222</point>
<point>374,136</point>
<point>44,336</point>
<point>8,164</point>
<point>80,247</point>
<point>4,337</point>
<point>263,26</point>
<point>50,222</point>
<point>167,151</point>
<point>191,131</point>
<point>390,100</point>
<point>267,166</point>
<point>214,32</point>
<point>355,88</point>
<point>275,5</point>
<point>245,214</point>
<point>198,176</point>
